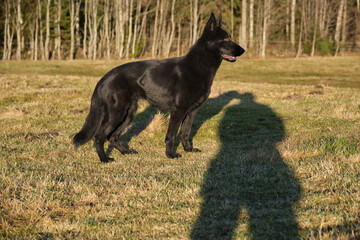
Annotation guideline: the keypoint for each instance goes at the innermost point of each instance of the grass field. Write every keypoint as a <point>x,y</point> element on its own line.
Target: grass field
<point>280,158</point>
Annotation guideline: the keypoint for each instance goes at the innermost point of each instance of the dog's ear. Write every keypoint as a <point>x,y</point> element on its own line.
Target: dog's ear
<point>211,24</point>
<point>219,20</point>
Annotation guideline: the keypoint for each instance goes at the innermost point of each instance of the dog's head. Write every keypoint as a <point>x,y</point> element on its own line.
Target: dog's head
<point>218,40</point>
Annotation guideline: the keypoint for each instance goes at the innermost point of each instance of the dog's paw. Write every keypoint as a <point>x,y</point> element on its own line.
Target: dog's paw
<point>192,150</point>
<point>196,150</point>
<point>107,160</point>
<point>173,155</point>
<point>129,151</point>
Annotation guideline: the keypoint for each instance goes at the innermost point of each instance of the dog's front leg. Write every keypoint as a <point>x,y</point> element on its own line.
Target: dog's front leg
<point>185,132</point>
<point>175,120</point>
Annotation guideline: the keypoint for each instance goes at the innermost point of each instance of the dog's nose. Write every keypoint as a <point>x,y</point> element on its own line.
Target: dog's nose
<point>240,51</point>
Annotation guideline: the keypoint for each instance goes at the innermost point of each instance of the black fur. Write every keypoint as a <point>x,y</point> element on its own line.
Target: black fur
<point>179,85</point>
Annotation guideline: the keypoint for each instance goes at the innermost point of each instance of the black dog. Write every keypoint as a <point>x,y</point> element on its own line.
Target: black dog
<point>179,85</point>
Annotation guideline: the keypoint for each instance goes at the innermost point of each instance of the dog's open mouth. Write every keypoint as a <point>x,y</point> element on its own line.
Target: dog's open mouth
<point>228,58</point>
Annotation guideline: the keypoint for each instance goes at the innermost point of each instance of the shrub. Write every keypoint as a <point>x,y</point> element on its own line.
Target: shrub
<point>322,47</point>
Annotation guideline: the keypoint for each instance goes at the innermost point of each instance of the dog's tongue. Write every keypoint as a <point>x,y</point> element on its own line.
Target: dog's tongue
<point>228,57</point>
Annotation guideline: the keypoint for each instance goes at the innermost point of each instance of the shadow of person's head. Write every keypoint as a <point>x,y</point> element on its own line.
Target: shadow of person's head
<point>249,122</point>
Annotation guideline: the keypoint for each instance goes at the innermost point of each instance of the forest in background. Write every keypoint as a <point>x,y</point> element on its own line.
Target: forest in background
<point>113,29</point>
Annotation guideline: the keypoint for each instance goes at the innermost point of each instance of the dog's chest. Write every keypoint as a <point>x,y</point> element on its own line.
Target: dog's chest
<point>201,93</point>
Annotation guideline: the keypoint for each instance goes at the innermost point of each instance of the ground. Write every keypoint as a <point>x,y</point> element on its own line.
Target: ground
<point>280,157</point>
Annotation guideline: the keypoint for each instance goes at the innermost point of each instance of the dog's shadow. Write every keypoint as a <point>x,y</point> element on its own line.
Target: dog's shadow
<point>248,187</point>
<point>139,124</point>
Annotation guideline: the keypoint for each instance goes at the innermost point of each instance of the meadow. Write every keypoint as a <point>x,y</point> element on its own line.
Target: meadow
<point>280,141</point>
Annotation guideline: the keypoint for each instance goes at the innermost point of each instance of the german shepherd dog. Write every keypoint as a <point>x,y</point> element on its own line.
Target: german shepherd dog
<point>178,85</point>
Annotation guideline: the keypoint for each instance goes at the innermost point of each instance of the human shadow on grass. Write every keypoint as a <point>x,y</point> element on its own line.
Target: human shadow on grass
<point>248,190</point>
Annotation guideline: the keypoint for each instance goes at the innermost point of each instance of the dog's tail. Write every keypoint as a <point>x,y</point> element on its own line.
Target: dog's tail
<point>91,125</point>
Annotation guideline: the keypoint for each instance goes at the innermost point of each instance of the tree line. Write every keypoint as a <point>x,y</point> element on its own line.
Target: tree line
<point>112,29</point>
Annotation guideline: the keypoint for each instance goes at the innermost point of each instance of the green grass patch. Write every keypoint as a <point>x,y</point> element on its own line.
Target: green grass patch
<point>334,145</point>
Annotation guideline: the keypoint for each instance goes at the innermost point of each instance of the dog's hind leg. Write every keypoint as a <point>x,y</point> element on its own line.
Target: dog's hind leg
<point>99,140</point>
<point>185,132</point>
<point>114,138</point>
<point>116,113</point>
<point>176,118</point>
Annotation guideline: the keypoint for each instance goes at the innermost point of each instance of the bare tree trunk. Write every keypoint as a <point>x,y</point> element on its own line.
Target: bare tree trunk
<point>322,17</point>
<point>106,23</point>
<point>101,42</point>
<point>94,13</point>
<point>265,27</point>
<point>91,34</point>
<point>196,15</point>
<point>72,33</point>
<point>232,18</point>
<point>315,27</point>
<point>240,34</point>
<point>179,40</point>
<point>36,36</point>
<point>10,40</point>
<point>47,38</point>
<point>258,29</point>
<point>154,43</point>
<point>117,26</point>
<point>18,30</point>
<point>121,28</point>
<point>292,23</point>
<point>306,18</point>
<point>85,29</point>
<point>287,27</point>
<point>243,23</point>
<point>130,28</point>
<point>6,30</point>
<point>58,31</point>
<point>165,29</point>
<point>137,19</point>
<point>32,29</point>
<point>251,27</point>
<point>77,24</point>
<point>162,33</point>
<point>201,23</point>
<point>338,26</point>
<point>92,21</point>
<point>191,24</point>
<point>143,22</point>
<point>9,30</point>
<point>301,30</point>
<point>343,34</point>
<point>142,33</point>
<point>357,27</point>
<point>40,32</point>
<point>171,39</point>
